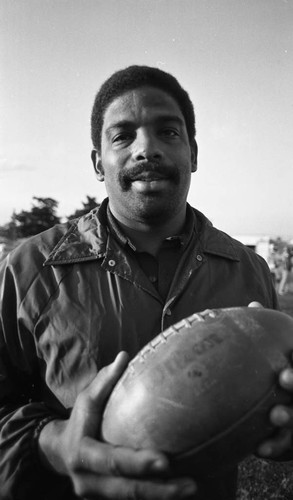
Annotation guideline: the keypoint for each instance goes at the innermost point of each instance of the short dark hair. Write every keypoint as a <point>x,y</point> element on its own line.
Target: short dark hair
<point>131,78</point>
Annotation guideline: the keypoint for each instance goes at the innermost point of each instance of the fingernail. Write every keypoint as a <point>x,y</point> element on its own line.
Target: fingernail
<point>255,304</point>
<point>287,377</point>
<point>283,417</point>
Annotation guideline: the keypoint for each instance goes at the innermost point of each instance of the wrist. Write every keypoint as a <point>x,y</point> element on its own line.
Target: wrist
<point>50,446</point>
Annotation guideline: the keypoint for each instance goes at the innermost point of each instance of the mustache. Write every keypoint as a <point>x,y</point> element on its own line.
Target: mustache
<point>144,170</point>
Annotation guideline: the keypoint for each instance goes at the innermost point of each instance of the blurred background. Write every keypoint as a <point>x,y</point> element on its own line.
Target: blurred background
<point>234,57</point>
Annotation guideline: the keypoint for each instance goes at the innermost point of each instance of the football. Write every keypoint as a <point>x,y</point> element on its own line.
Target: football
<point>201,391</point>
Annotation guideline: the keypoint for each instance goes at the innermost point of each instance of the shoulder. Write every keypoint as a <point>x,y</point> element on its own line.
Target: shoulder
<point>73,241</point>
<point>22,272</point>
<point>35,249</point>
<point>216,241</point>
<point>247,267</point>
<point>220,244</point>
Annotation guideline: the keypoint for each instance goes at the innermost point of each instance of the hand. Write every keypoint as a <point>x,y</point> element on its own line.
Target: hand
<point>101,470</point>
<point>282,417</point>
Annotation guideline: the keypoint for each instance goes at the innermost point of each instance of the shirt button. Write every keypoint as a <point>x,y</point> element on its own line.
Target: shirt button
<point>199,258</point>
<point>153,279</point>
<point>111,263</point>
<point>168,312</point>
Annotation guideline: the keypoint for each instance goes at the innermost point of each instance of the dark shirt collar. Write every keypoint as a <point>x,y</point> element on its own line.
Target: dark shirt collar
<point>182,239</point>
<point>85,239</point>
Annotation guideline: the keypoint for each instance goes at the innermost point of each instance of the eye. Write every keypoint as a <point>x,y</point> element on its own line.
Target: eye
<point>122,137</point>
<point>169,132</point>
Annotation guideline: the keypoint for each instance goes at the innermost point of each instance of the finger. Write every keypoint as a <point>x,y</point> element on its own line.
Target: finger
<point>106,459</point>
<point>255,304</point>
<point>276,446</point>
<point>108,377</point>
<point>96,394</point>
<point>282,416</point>
<point>88,409</point>
<point>117,488</point>
<point>286,379</point>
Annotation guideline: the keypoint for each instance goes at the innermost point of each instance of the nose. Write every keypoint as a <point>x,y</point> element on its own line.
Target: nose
<point>146,147</point>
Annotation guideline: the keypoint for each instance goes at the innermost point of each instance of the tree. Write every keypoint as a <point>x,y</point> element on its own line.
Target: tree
<point>9,230</point>
<point>88,205</point>
<point>42,216</point>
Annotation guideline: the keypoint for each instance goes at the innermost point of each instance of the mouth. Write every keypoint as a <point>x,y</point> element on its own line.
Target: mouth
<point>149,177</point>
<point>151,185</point>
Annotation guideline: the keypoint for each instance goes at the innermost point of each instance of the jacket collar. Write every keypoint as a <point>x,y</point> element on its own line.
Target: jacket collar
<point>216,242</point>
<point>87,238</point>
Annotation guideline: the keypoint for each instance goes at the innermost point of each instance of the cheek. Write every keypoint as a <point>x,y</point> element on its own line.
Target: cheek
<point>182,157</point>
<point>112,178</point>
<point>109,164</point>
<point>113,161</point>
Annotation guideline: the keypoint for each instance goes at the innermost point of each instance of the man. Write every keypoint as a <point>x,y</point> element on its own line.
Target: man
<point>77,295</point>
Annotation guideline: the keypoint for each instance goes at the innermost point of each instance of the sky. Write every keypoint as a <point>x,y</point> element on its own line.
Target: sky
<point>234,57</point>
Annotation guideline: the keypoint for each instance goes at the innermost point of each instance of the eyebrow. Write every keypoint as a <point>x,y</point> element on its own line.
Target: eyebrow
<point>171,118</point>
<point>120,124</point>
<point>159,119</point>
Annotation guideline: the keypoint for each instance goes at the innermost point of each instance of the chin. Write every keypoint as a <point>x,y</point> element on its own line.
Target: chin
<point>156,212</point>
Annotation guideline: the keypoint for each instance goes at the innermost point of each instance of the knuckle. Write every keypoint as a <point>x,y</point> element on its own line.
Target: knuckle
<point>113,465</point>
<point>72,462</point>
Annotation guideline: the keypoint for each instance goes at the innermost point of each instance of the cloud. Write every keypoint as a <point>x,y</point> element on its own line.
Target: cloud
<point>11,166</point>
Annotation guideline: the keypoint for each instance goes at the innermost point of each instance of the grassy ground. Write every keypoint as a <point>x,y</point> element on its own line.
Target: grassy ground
<point>264,480</point>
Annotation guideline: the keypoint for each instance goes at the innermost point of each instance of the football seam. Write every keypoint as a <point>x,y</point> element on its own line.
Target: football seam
<point>178,328</point>
<point>232,427</point>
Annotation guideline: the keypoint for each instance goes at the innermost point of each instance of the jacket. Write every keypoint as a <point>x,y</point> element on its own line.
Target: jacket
<point>71,298</point>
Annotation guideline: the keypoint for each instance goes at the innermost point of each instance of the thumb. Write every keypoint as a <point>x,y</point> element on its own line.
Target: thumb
<point>101,387</point>
<point>89,407</point>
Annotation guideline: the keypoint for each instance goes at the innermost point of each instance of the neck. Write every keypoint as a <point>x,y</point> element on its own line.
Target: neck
<point>149,237</point>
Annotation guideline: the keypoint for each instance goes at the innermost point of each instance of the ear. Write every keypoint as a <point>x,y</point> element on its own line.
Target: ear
<point>194,151</point>
<point>96,159</point>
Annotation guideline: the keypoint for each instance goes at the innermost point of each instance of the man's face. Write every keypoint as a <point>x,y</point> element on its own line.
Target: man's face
<point>146,157</point>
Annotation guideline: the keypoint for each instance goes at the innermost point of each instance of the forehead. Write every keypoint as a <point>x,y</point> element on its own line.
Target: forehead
<point>141,105</point>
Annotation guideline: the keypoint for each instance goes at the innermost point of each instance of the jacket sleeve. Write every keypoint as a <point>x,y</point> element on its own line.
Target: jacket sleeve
<point>22,413</point>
